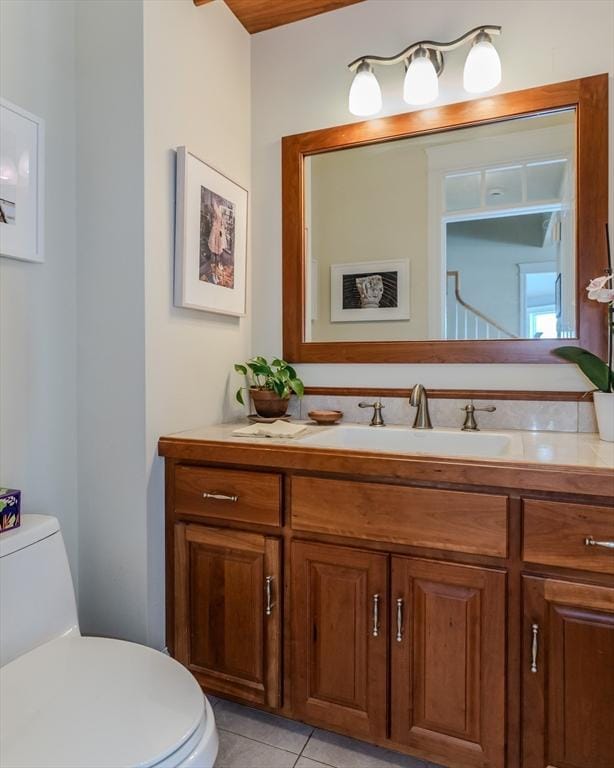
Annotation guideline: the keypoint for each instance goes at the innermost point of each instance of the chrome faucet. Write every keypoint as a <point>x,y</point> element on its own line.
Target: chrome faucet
<point>376,420</point>
<point>419,399</point>
<point>470,424</point>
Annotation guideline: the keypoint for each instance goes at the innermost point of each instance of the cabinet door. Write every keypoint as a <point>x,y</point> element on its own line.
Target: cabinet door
<point>227,611</point>
<point>568,675</point>
<point>339,632</point>
<point>448,661</point>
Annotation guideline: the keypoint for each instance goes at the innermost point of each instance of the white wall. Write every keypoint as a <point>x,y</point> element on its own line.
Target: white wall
<point>152,76</point>
<point>95,339</point>
<point>113,536</point>
<point>300,82</point>
<point>37,301</point>
<point>197,93</point>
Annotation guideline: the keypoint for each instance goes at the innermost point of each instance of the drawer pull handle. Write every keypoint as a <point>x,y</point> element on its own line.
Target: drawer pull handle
<point>534,634</point>
<point>219,496</point>
<point>589,541</point>
<point>268,590</point>
<point>399,620</point>
<point>375,631</point>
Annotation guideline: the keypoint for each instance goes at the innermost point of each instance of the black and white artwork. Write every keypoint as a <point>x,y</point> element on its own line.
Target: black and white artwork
<point>370,291</point>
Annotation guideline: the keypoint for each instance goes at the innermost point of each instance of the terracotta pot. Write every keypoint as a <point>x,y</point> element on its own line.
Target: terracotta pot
<point>268,403</point>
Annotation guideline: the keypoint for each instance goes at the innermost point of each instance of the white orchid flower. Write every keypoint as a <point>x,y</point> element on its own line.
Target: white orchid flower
<point>597,290</point>
<point>598,282</point>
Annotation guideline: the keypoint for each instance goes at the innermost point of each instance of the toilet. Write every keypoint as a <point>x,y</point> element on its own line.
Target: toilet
<point>68,701</point>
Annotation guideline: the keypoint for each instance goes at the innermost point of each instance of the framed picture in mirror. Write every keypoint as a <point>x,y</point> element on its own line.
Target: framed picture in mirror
<point>369,291</point>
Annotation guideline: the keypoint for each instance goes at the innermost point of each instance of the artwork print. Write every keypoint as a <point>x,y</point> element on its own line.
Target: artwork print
<point>369,291</point>
<point>210,238</point>
<point>217,239</point>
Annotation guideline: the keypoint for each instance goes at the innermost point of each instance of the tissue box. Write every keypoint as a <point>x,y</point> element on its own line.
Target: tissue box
<point>10,503</point>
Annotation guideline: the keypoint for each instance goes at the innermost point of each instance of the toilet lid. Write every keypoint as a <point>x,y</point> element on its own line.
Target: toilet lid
<point>89,701</point>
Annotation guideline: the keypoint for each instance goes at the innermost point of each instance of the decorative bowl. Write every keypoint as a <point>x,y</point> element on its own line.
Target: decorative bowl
<point>325,417</point>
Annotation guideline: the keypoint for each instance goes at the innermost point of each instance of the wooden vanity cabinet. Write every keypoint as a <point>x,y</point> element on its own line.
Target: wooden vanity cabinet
<point>568,674</point>
<point>340,637</point>
<point>441,627</point>
<point>227,611</point>
<point>448,660</point>
<point>469,625</point>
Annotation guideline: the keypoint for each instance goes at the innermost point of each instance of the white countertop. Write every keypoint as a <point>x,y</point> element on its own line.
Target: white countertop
<point>575,449</point>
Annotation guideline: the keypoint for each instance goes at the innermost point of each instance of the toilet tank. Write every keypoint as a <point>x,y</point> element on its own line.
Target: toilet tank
<point>37,598</point>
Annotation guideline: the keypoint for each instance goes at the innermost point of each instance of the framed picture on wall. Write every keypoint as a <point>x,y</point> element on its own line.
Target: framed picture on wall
<point>22,178</point>
<point>210,238</point>
<point>368,291</point>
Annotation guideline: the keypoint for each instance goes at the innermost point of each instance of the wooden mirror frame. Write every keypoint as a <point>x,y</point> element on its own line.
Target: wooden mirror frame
<point>588,96</point>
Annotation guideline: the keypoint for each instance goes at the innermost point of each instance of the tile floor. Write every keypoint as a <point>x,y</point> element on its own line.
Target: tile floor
<point>253,739</point>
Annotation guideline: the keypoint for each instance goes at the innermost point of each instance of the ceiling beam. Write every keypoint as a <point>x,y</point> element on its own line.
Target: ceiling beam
<point>258,15</point>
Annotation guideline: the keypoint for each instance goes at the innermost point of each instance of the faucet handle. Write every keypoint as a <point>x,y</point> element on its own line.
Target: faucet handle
<point>470,408</point>
<point>470,424</point>
<point>377,420</point>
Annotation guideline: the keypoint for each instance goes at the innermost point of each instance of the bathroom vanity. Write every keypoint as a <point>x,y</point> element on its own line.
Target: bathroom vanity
<point>443,593</point>
<point>456,608</point>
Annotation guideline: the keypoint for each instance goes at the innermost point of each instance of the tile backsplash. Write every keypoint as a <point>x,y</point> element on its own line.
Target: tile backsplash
<point>540,415</point>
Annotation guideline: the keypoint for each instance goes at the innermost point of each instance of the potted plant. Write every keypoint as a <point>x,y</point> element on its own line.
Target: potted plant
<point>270,385</point>
<point>600,373</point>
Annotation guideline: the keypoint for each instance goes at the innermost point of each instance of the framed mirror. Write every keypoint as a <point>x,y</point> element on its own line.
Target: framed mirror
<point>462,233</point>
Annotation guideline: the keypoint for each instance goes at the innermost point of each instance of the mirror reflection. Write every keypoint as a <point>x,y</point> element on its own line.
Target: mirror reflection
<point>464,234</point>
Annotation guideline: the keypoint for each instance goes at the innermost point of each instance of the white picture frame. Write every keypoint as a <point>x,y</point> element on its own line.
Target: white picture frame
<point>342,277</point>
<point>22,184</point>
<point>210,239</point>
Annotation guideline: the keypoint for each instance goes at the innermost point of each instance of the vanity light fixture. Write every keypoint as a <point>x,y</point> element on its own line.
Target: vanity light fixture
<point>365,93</point>
<point>421,84</point>
<point>424,63</point>
<point>483,66</point>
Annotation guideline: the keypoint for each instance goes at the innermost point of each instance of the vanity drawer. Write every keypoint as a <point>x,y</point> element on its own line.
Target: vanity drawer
<point>555,533</point>
<point>421,517</point>
<point>247,497</point>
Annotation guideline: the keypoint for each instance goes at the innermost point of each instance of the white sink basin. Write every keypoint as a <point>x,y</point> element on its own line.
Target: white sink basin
<point>438,442</point>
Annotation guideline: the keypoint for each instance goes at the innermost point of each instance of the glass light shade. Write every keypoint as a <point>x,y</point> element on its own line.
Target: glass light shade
<point>365,93</point>
<point>421,85</point>
<point>482,68</point>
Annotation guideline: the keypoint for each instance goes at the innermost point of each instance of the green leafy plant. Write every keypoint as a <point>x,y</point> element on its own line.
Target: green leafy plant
<point>277,376</point>
<point>600,373</point>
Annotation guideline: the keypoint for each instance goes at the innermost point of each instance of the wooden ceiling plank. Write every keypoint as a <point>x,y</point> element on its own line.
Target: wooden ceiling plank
<point>258,15</point>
